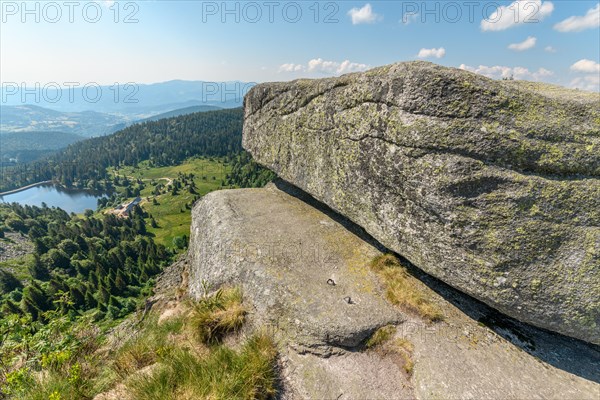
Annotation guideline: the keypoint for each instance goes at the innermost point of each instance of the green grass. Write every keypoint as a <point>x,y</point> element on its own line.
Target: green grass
<point>192,363</point>
<point>164,360</point>
<point>223,374</point>
<point>145,348</point>
<point>19,266</point>
<point>215,316</point>
<point>405,349</point>
<point>381,336</point>
<point>172,222</point>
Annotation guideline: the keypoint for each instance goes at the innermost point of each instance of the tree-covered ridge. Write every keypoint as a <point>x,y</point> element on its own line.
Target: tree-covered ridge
<point>79,263</point>
<point>164,142</point>
<point>247,173</point>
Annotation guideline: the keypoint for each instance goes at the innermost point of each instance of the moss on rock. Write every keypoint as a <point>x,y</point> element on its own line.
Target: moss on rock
<point>493,187</point>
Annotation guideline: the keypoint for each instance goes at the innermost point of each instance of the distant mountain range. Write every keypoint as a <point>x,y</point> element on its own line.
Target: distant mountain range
<point>181,111</point>
<point>133,101</point>
<point>31,118</point>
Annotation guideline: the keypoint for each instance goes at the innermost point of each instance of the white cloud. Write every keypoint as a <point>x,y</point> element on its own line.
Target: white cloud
<point>500,71</point>
<point>586,65</point>
<point>524,45</point>
<point>587,82</point>
<point>550,49</point>
<point>364,15</point>
<point>290,67</point>
<point>589,75</point>
<point>437,53</point>
<point>518,12</point>
<point>318,65</point>
<point>334,67</point>
<point>575,24</point>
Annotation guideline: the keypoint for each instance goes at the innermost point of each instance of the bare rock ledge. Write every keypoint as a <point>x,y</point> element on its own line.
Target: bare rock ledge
<point>492,187</point>
<point>282,251</point>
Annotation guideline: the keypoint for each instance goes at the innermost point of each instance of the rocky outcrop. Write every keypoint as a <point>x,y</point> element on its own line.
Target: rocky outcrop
<point>493,187</point>
<point>301,270</point>
<point>282,251</point>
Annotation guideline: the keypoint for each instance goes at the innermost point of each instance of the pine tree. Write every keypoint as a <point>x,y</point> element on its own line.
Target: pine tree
<point>36,297</point>
<point>114,302</point>
<point>8,282</point>
<point>56,285</point>
<point>90,301</point>
<point>9,307</point>
<point>103,295</point>
<point>120,283</point>
<point>93,279</point>
<point>77,297</point>
<point>30,308</point>
<point>109,283</point>
<point>38,270</point>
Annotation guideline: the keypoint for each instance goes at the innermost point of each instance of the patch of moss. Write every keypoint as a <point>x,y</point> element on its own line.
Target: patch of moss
<point>380,336</point>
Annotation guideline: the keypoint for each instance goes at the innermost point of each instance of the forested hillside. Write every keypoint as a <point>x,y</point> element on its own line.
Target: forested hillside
<point>61,274</point>
<point>95,267</point>
<point>30,146</point>
<point>164,142</point>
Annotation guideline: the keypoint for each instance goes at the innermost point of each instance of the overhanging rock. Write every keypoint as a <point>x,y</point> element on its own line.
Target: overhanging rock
<point>493,187</point>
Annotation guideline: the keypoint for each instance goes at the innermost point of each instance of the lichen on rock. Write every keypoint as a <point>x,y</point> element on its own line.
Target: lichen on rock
<point>493,187</point>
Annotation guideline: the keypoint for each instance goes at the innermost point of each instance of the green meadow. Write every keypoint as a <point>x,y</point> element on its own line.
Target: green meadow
<point>172,212</point>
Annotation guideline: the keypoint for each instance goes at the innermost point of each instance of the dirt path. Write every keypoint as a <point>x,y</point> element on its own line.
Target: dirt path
<point>164,178</point>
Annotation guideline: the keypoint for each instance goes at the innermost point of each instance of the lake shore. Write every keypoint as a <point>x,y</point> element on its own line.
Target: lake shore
<point>25,188</point>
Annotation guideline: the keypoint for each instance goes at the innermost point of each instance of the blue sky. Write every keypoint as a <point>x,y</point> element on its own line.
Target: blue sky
<point>197,40</point>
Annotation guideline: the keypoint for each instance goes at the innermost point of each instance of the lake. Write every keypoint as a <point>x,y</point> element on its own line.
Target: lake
<point>70,200</point>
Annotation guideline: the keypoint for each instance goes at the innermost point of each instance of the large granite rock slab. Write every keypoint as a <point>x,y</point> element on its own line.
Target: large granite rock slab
<point>282,251</point>
<point>301,270</point>
<point>493,187</point>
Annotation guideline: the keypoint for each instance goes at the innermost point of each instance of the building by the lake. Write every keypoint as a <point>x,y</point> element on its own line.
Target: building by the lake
<point>124,210</point>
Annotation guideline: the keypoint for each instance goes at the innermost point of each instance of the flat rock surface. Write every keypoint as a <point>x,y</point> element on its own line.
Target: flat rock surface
<point>351,376</point>
<point>299,268</point>
<point>492,187</point>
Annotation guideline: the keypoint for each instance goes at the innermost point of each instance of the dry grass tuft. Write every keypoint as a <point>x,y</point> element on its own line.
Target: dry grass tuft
<point>404,290</point>
<point>215,316</point>
<point>404,348</point>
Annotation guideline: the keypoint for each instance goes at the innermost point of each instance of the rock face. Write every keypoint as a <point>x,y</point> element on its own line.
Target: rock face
<point>296,265</point>
<point>493,187</point>
<point>282,251</point>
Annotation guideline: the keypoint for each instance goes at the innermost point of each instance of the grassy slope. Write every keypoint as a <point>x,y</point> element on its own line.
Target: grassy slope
<point>18,266</point>
<point>166,360</point>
